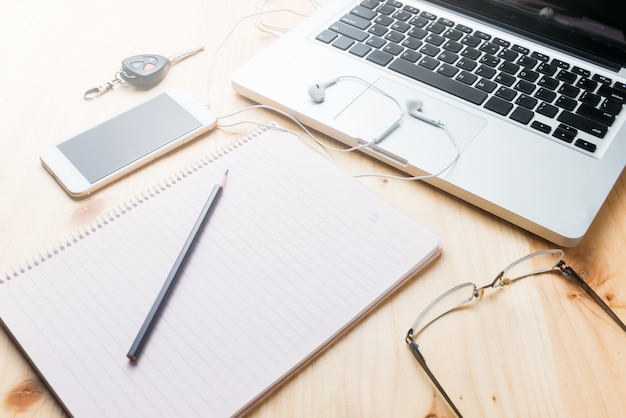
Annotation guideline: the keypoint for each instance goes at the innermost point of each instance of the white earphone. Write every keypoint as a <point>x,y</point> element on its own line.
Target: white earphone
<point>317,92</point>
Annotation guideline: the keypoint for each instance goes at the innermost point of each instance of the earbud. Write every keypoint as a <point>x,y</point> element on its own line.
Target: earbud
<point>317,91</point>
<point>414,108</point>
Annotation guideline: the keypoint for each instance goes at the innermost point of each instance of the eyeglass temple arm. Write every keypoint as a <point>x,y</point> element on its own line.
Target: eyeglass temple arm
<point>422,362</point>
<point>569,272</point>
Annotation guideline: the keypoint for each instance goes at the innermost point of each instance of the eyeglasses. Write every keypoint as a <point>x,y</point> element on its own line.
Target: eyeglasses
<point>532,264</point>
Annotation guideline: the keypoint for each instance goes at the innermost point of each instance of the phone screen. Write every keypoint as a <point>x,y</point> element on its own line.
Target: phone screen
<point>128,137</point>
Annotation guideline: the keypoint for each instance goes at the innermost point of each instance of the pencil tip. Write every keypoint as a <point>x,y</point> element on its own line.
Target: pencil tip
<point>226,172</point>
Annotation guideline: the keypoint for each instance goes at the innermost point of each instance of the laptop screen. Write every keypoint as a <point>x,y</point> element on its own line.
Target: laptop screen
<point>591,29</point>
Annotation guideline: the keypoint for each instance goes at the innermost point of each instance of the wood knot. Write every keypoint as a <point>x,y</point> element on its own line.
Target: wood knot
<point>23,396</point>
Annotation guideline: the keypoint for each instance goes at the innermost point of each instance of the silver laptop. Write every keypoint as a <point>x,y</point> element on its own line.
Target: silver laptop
<point>531,92</point>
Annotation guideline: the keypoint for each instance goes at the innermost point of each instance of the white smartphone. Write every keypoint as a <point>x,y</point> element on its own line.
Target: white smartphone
<point>96,157</point>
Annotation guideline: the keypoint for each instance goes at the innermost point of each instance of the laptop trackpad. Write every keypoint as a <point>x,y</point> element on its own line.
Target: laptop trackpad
<point>422,145</point>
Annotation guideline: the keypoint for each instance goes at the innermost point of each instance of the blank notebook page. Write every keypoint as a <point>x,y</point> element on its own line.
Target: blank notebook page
<point>294,253</point>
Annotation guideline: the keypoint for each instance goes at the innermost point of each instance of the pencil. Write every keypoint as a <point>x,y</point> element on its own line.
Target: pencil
<point>157,306</point>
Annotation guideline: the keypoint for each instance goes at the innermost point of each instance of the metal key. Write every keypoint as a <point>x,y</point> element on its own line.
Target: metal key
<point>142,71</point>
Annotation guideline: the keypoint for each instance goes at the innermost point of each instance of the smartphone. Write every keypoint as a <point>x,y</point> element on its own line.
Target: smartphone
<point>92,159</point>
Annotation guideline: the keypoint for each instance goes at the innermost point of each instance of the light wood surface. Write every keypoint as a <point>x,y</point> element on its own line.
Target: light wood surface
<point>539,348</point>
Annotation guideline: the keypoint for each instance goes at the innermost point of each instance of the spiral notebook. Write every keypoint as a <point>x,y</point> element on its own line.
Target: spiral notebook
<point>296,251</point>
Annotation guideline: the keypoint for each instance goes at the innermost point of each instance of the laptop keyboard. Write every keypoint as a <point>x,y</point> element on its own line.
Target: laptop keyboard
<point>564,101</point>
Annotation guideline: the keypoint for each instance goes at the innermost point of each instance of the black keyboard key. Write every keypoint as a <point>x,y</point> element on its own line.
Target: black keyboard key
<point>526,101</point>
<point>482,35</point>
<point>569,90</point>
<point>411,43</point>
<point>467,77</point>
<point>400,27</point>
<point>364,12</point>
<point>439,81</point>
<point>591,112</point>
<point>545,95</point>
<point>452,46</point>
<point>419,22</point>
<point>590,98</point>
<point>418,33</point>
<point>471,40</point>
<point>378,30</point>
<point>436,27</point>
<point>547,110</point>
<point>521,49</point>
<point>528,75</point>
<point>386,9</point>
<point>375,42</point>
<point>541,127</point>
<point>620,86</point>
<point>528,62</point>
<point>393,49</point>
<point>395,37</point>
<point>327,36</point>
<point>428,62</point>
<point>447,70</point>
<point>561,64</point>
<point>508,55</point>
<point>434,39</point>
<point>430,50</point>
<point>506,93</point>
<point>612,93</point>
<point>356,21</point>
<point>486,85</point>
<point>343,43</point>
<point>349,31</point>
<point>586,145</point>
<point>508,67</point>
<point>567,103</point>
<point>548,82</point>
<point>609,106</point>
<point>471,53</point>
<point>485,71</point>
<point>565,133</point>
<point>446,22</point>
<point>602,79</point>
<point>503,43</point>
<point>380,57</point>
<point>582,123</point>
<point>360,50</point>
<point>581,72</point>
<point>539,56</point>
<point>448,57</point>
<point>489,60</point>
<point>383,20</point>
<point>489,48</point>
<point>522,115</point>
<point>525,87</point>
<point>370,4</point>
<point>411,9</point>
<point>547,69</point>
<point>566,76</point>
<point>453,34</point>
<point>464,29</point>
<point>587,84</point>
<point>466,64</point>
<point>428,15</point>
<point>411,55</point>
<point>402,15</point>
<point>499,106</point>
<point>505,79</point>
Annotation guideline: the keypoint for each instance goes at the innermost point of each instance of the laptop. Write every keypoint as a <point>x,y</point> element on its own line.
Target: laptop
<point>528,95</point>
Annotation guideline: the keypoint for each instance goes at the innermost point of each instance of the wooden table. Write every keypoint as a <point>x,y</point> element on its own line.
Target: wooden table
<point>540,348</point>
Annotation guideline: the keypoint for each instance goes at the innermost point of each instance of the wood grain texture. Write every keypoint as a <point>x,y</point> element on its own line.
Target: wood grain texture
<point>539,348</point>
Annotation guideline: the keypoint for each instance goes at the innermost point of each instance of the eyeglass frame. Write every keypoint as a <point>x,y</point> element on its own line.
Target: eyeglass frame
<point>477,293</point>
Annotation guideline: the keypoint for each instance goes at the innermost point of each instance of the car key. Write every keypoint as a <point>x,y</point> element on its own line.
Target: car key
<point>142,71</point>
<point>146,71</point>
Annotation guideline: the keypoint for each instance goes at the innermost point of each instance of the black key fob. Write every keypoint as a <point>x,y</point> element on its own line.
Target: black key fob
<point>144,71</point>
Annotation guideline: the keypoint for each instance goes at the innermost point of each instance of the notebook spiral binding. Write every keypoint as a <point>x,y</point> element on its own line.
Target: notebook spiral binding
<point>126,206</point>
